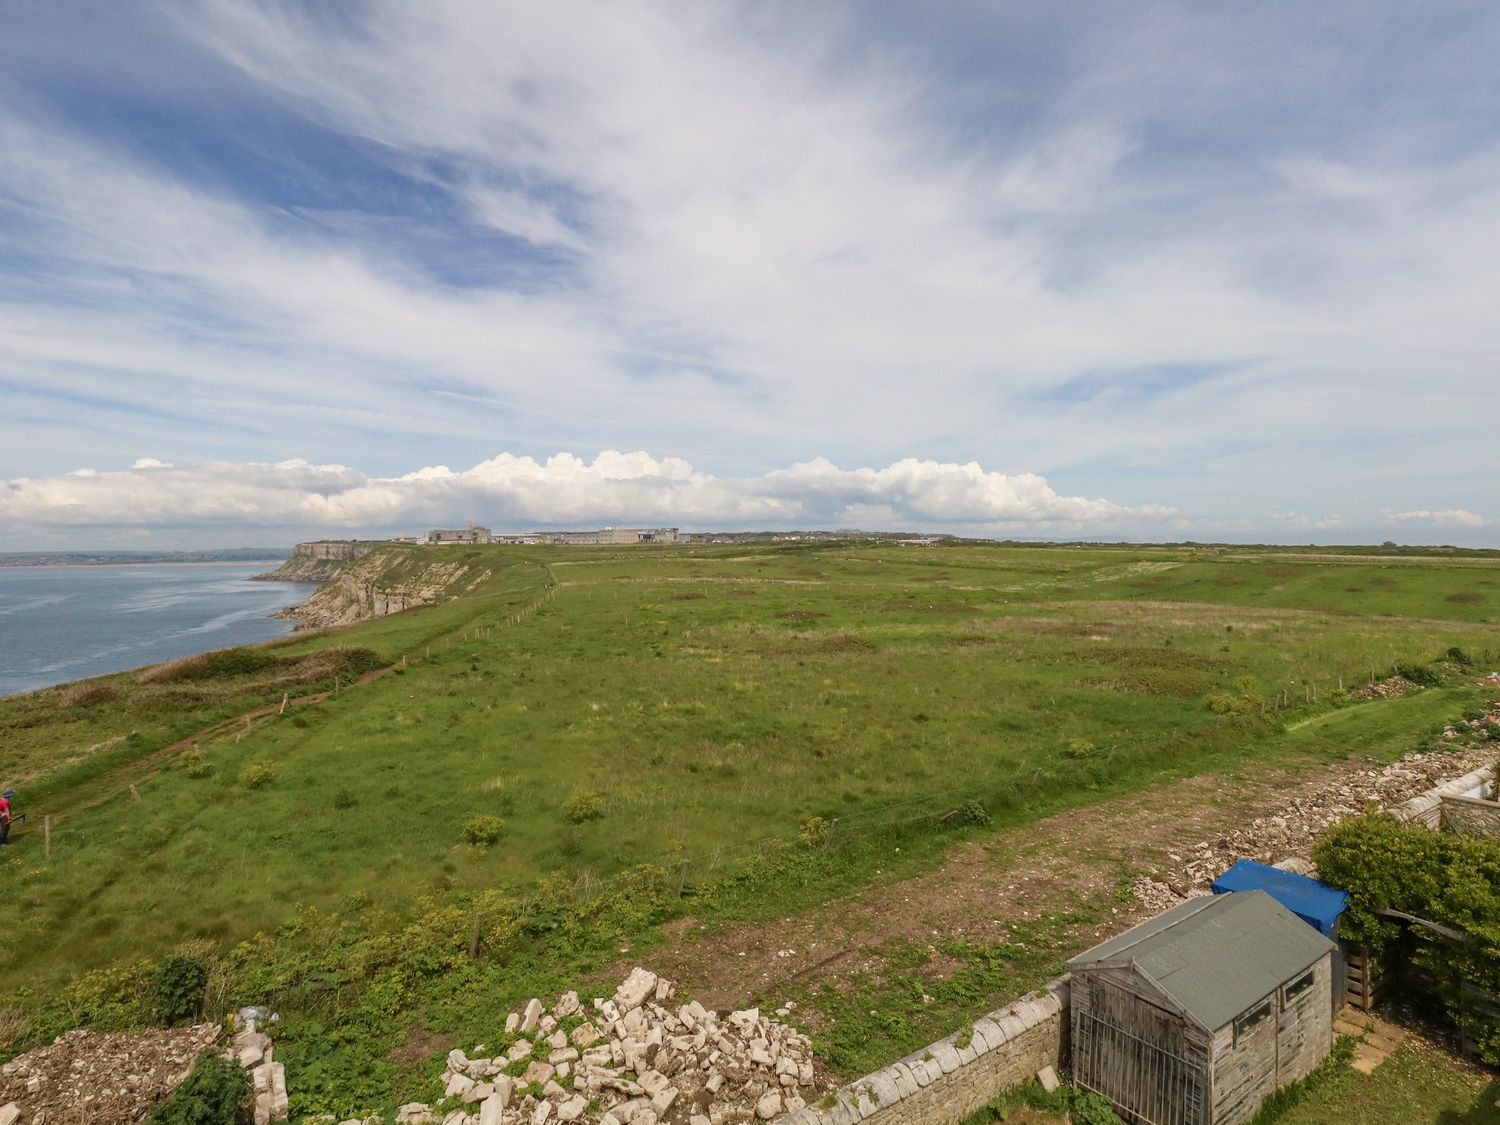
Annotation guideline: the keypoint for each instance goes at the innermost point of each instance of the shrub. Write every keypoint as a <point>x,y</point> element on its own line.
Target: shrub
<point>1420,674</point>
<point>814,832</point>
<point>258,775</point>
<point>1222,703</point>
<point>974,813</point>
<point>1445,878</point>
<point>583,805</point>
<point>194,764</point>
<point>176,991</point>
<point>1088,1108</point>
<point>1080,748</point>
<point>1458,656</point>
<point>210,666</point>
<point>211,1095</point>
<point>344,799</point>
<point>483,831</point>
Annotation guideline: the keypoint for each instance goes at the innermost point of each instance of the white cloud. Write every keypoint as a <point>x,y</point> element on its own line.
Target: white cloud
<point>1457,517</point>
<point>775,238</point>
<point>511,491</point>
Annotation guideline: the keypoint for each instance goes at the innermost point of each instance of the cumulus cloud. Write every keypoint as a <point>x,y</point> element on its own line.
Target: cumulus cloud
<point>562,490</point>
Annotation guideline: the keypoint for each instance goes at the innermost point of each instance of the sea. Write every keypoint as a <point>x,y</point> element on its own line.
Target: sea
<point>61,623</point>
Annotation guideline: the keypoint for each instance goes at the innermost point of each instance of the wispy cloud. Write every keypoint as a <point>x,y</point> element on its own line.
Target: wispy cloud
<point>1129,253</point>
<point>1452,517</point>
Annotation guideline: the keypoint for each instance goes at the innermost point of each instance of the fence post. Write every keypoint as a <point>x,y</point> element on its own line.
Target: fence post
<point>474,939</point>
<point>47,835</point>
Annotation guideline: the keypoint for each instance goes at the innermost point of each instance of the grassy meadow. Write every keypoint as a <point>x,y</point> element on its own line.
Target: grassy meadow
<point>685,710</point>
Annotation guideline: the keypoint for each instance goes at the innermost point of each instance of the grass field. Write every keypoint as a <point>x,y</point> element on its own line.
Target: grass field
<point>691,709</point>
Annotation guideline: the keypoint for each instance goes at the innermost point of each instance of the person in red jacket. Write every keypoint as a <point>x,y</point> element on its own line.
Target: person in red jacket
<point>5,815</point>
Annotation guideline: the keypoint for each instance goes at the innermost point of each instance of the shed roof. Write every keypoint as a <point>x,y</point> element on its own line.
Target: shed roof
<point>1214,956</point>
<point>1317,904</point>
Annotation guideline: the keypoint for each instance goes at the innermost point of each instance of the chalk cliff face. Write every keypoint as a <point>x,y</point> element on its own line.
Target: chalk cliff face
<point>320,561</point>
<point>388,578</point>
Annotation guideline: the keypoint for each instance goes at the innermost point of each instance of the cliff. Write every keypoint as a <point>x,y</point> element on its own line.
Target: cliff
<point>387,578</point>
<point>320,561</point>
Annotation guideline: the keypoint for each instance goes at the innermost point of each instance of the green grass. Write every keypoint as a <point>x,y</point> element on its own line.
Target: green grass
<point>1415,1086</point>
<point>709,700</point>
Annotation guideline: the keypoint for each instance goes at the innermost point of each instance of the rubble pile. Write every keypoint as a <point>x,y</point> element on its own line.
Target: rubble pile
<point>1393,687</point>
<point>1287,838</point>
<point>99,1079</point>
<point>1469,729</point>
<point>631,1060</point>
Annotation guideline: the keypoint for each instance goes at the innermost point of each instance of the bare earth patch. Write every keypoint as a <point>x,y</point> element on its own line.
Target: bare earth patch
<point>1078,859</point>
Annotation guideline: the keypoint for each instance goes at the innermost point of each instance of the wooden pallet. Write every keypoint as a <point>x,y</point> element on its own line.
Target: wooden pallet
<point>1364,984</point>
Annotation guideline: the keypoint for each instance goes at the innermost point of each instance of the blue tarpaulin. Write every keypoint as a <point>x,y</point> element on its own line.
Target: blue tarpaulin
<point>1317,904</point>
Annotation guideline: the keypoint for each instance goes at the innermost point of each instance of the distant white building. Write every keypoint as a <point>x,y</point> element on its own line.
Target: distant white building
<point>612,536</point>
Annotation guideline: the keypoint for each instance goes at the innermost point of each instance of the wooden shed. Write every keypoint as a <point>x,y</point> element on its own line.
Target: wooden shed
<point>1193,1017</point>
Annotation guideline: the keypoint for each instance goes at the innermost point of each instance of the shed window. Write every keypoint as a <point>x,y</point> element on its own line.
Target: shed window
<point>1247,1022</point>
<point>1297,987</point>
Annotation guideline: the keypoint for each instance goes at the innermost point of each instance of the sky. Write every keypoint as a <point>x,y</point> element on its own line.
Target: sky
<point>1151,271</point>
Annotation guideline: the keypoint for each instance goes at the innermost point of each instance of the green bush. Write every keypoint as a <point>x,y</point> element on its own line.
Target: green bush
<point>1444,878</point>
<point>1080,748</point>
<point>258,775</point>
<point>194,764</point>
<point>582,806</point>
<point>484,831</point>
<point>1458,656</point>
<point>211,1095</point>
<point>814,832</point>
<point>1422,675</point>
<point>344,799</point>
<point>176,992</point>
<point>975,813</point>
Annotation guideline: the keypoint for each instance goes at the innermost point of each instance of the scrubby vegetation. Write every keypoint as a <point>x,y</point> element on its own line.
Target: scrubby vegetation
<point>211,1095</point>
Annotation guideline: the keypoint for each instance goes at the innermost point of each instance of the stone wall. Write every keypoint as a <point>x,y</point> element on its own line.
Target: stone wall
<point>944,1082</point>
<point>1471,816</point>
<point>1426,809</point>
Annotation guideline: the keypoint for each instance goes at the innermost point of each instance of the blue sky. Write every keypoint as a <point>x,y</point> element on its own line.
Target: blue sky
<point>273,270</point>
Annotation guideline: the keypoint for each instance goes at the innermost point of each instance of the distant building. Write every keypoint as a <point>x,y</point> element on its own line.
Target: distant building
<point>612,536</point>
<point>470,534</point>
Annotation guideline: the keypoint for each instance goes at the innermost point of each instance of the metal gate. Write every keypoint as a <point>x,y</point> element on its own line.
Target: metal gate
<point>1150,1083</point>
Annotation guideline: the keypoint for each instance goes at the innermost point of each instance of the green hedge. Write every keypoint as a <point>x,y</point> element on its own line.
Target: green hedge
<point>1451,880</point>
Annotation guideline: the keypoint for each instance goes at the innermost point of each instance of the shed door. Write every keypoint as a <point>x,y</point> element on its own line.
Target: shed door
<point>1151,1084</point>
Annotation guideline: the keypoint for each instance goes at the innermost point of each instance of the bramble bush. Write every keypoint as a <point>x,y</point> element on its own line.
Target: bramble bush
<point>176,992</point>
<point>211,1095</point>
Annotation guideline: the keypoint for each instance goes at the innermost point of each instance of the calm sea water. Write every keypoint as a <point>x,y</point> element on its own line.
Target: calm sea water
<point>70,622</point>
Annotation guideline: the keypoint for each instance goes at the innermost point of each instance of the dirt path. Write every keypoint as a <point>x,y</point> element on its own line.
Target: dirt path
<point>1079,862</point>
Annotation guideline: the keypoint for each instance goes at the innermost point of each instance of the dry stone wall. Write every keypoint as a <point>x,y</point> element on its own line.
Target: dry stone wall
<point>1471,816</point>
<point>955,1076</point>
<point>1426,808</point>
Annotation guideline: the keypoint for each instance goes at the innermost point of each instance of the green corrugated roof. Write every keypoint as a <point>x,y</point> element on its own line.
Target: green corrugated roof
<point>1217,955</point>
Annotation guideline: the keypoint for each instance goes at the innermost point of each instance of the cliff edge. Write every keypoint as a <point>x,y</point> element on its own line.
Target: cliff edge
<point>320,561</point>
<point>387,578</point>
